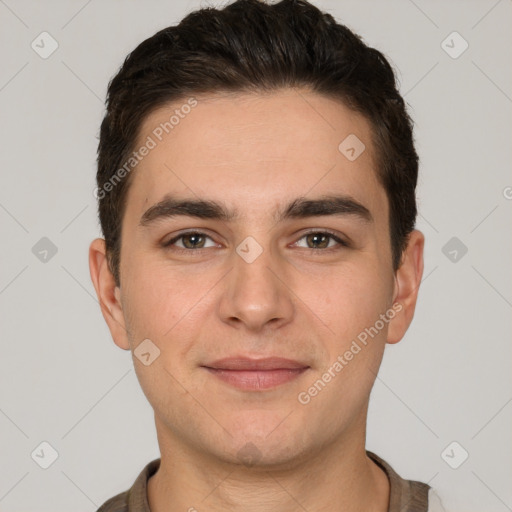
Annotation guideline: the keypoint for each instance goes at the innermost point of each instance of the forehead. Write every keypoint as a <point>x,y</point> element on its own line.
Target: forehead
<point>241,146</point>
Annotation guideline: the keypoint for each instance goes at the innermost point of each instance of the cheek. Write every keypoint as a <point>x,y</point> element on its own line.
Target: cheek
<point>162,306</point>
<point>352,299</point>
<point>161,302</point>
<point>355,298</point>
<point>149,310</point>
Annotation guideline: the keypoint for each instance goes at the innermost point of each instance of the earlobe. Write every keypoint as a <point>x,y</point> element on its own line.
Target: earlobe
<point>407,283</point>
<point>109,295</point>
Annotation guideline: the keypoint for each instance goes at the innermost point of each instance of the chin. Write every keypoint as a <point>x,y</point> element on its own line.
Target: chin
<point>265,438</point>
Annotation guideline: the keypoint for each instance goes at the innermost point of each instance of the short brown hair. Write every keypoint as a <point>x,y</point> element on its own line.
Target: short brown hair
<point>251,46</point>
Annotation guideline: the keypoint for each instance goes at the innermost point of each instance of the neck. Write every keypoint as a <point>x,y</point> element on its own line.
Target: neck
<point>340,476</point>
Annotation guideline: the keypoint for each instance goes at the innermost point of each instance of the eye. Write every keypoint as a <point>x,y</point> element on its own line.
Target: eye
<point>314,240</point>
<point>189,241</point>
<point>321,240</point>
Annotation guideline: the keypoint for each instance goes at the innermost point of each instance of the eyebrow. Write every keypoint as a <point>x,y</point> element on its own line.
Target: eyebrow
<point>335,205</point>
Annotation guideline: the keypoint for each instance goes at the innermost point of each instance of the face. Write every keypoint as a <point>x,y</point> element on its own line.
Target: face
<point>256,259</point>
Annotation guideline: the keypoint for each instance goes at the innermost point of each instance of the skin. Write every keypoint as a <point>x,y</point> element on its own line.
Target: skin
<point>256,153</point>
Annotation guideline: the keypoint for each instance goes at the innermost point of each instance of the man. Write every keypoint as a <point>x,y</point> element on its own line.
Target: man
<point>256,185</point>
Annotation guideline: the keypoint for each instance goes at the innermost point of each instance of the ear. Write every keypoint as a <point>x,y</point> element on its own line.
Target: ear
<point>407,283</point>
<point>109,295</point>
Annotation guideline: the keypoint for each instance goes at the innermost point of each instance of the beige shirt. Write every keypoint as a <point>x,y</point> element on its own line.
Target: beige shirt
<point>404,495</point>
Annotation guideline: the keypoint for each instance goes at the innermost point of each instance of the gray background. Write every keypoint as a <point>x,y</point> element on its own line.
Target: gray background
<point>62,379</point>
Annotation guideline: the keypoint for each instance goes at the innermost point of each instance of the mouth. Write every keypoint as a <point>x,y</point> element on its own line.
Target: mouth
<point>256,374</point>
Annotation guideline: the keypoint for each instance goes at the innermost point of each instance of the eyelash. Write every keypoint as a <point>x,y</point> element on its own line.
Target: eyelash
<point>341,243</point>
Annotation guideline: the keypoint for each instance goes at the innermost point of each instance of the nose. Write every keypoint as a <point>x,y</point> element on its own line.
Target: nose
<point>256,295</point>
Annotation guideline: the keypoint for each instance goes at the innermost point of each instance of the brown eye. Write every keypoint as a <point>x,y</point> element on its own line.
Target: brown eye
<point>190,241</point>
<point>318,240</point>
<point>321,240</point>
<point>193,240</point>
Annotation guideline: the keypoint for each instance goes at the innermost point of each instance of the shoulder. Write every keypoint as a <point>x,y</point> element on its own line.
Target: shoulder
<point>434,502</point>
<point>118,503</point>
<point>407,495</point>
<point>134,499</point>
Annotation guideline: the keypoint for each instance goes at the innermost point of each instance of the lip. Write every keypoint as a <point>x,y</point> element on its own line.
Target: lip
<point>248,363</point>
<point>256,374</point>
